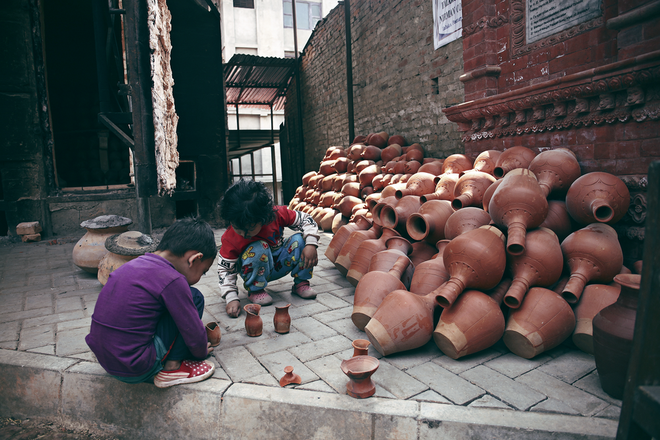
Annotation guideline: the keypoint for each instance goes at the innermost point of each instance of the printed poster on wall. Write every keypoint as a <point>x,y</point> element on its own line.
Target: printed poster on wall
<point>447,21</point>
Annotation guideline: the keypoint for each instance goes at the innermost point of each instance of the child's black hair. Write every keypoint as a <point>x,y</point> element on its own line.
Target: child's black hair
<point>247,203</point>
<point>189,234</point>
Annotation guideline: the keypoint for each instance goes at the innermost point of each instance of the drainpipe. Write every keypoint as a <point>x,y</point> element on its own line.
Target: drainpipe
<point>301,140</point>
<point>349,72</point>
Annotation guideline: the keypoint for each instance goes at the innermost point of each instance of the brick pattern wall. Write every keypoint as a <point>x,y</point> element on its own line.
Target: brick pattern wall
<point>400,82</point>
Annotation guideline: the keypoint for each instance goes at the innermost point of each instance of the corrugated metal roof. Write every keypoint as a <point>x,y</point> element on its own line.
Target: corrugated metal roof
<point>254,81</point>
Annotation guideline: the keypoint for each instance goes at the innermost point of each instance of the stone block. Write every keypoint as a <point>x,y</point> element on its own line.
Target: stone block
<point>30,238</point>
<point>28,228</point>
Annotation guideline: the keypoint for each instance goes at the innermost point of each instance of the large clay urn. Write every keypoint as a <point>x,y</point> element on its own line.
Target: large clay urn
<point>540,265</point>
<point>337,222</point>
<point>371,152</point>
<point>555,170</point>
<point>518,204</point>
<point>339,238</point>
<point>123,248</point>
<point>469,189</point>
<point>488,194</point>
<point>396,217</point>
<point>428,223</point>
<point>465,220</point>
<point>592,254</point>
<point>614,327</point>
<point>421,252</point>
<point>90,249</point>
<point>418,185</point>
<point>474,260</point>
<point>456,163</point>
<point>430,274</point>
<point>558,220</point>
<point>345,256</point>
<point>444,188</point>
<point>364,253</point>
<point>595,298</point>
<point>346,205</point>
<point>368,174</point>
<point>433,166</point>
<point>543,321</point>
<point>403,321</point>
<point>512,158</point>
<point>597,197</point>
<point>473,323</point>
<point>384,260</point>
<point>373,287</point>
<point>486,161</point>
<point>391,189</point>
<point>390,152</point>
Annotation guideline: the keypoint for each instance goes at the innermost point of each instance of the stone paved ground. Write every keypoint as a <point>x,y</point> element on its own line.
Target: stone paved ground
<point>12,429</point>
<point>47,303</point>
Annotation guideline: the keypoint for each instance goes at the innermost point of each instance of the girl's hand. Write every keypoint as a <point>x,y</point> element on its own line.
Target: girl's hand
<point>233,308</point>
<point>309,257</point>
<point>209,349</point>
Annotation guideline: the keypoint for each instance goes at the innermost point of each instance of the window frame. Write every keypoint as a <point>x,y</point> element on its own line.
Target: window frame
<point>312,20</point>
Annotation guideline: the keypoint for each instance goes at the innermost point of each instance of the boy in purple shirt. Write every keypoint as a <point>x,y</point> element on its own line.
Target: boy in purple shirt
<point>147,320</point>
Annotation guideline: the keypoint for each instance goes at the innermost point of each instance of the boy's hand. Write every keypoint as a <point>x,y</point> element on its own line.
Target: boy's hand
<point>209,349</point>
<point>309,257</point>
<point>233,308</point>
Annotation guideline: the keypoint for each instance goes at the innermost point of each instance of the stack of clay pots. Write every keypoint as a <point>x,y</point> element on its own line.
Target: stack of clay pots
<point>512,245</point>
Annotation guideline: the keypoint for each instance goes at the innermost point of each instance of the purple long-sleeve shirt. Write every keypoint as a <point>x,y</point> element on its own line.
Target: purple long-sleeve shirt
<point>128,309</point>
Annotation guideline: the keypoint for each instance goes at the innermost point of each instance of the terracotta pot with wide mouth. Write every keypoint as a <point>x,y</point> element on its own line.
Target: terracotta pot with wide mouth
<point>253,322</point>
<point>359,370</point>
<point>213,333</point>
<point>428,223</point>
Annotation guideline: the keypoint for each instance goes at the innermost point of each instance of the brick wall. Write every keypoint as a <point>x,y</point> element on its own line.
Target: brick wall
<point>400,82</point>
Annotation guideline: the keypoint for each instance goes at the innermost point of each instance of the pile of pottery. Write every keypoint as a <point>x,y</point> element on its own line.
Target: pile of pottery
<point>513,245</point>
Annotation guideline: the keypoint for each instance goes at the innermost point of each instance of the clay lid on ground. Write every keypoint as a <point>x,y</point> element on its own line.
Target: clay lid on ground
<point>131,244</point>
<point>106,221</point>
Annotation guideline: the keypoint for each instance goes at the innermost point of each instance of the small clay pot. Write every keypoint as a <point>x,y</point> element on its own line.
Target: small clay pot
<point>213,333</point>
<point>253,323</point>
<point>282,320</point>
<point>361,347</point>
<point>289,377</point>
<point>359,370</point>
<point>90,249</point>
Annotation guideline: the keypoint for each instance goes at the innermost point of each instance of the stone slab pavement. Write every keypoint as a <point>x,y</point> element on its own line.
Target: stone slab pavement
<point>47,370</point>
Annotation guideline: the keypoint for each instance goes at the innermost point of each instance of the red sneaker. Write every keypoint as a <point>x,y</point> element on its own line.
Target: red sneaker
<point>188,372</point>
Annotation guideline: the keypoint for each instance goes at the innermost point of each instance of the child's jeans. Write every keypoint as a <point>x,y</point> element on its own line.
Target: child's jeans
<point>260,264</point>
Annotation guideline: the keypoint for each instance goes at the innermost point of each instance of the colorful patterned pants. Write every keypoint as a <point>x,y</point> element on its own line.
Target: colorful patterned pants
<point>260,264</point>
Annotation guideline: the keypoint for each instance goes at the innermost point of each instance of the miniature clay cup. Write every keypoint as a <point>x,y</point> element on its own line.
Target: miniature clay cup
<point>253,323</point>
<point>289,377</point>
<point>359,369</point>
<point>213,333</point>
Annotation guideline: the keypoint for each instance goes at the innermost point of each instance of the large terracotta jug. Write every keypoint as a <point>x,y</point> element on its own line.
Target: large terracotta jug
<point>614,327</point>
<point>558,220</point>
<point>555,170</point>
<point>456,163</point>
<point>418,185</point>
<point>444,188</point>
<point>383,261</point>
<point>518,204</point>
<point>592,254</point>
<point>345,206</point>
<point>465,220</point>
<point>470,188</point>
<point>488,194</point>
<point>597,197</point>
<point>373,287</point>
<point>473,323</point>
<point>367,175</point>
<point>475,260</point>
<point>430,274</point>
<point>90,249</point>
<point>367,249</point>
<point>486,161</point>
<point>382,202</point>
<point>345,256</point>
<point>512,158</point>
<point>540,265</point>
<point>403,321</point>
<point>391,189</point>
<point>421,252</point>
<point>543,321</point>
<point>340,237</point>
<point>397,216</point>
<point>390,152</point>
<point>371,152</point>
<point>595,298</point>
<point>431,166</point>
<point>428,223</point>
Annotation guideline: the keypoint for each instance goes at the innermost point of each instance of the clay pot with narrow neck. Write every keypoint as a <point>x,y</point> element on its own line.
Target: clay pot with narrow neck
<point>614,327</point>
<point>473,323</point>
<point>345,206</point>
<point>337,222</point>
<point>465,220</point>
<point>351,189</point>
<point>391,189</point>
<point>518,204</point>
<point>595,298</point>
<point>592,254</point>
<point>340,237</point>
<point>540,265</point>
<point>367,175</point>
<point>371,152</point>
<point>432,166</point>
<point>367,249</point>
<point>377,183</point>
<point>382,202</point>
<point>558,220</point>
<point>307,176</point>
<point>413,166</point>
<point>396,217</point>
<point>355,152</point>
<point>384,260</point>
<point>474,260</point>
<point>597,197</point>
<point>361,347</point>
<point>327,218</point>
<point>326,167</point>
<point>512,158</point>
<point>359,370</point>
<point>486,161</point>
<point>444,188</point>
<point>430,274</point>
<point>390,152</point>
<point>428,223</point>
<point>543,321</point>
<point>421,252</point>
<point>345,256</point>
<point>488,194</point>
<point>253,323</point>
<point>90,249</point>
<point>555,170</point>
<point>326,183</point>
<point>470,188</point>
<point>282,320</point>
<point>397,139</point>
<point>456,163</point>
<point>371,200</point>
<point>373,287</point>
<point>418,185</point>
<point>213,334</point>
<point>403,321</point>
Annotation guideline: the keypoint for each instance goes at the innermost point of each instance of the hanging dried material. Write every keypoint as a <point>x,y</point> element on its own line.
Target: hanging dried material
<point>164,112</point>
